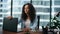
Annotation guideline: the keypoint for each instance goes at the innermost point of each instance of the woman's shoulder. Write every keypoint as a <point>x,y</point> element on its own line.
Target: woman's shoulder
<point>20,20</point>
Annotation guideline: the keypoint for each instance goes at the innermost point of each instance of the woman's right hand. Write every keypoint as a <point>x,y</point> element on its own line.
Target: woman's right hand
<point>26,29</point>
<point>9,17</point>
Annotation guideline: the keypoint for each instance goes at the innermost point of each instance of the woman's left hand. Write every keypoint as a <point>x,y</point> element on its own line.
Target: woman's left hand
<point>26,29</point>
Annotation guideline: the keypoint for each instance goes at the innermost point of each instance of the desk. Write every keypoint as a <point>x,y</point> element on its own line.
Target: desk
<point>7,32</point>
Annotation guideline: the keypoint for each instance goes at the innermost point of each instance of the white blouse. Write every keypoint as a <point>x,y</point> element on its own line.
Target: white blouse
<point>27,23</point>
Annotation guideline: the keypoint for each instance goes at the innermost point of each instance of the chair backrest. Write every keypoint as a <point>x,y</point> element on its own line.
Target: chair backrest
<point>38,20</point>
<point>10,25</point>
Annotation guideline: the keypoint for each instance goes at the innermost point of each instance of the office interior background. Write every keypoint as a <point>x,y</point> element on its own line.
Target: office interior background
<point>42,8</point>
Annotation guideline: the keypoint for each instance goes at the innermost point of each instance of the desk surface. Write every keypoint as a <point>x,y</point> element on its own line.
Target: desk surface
<point>7,32</point>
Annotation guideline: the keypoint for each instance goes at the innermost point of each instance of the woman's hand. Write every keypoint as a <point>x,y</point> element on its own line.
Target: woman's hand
<point>26,29</point>
<point>9,17</point>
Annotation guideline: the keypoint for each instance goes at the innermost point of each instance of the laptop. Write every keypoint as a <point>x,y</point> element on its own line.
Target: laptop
<point>10,25</point>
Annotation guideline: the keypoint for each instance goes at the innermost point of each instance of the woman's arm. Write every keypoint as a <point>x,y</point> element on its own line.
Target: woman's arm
<point>22,23</point>
<point>34,23</point>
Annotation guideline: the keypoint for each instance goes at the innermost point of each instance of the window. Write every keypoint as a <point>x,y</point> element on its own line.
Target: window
<point>43,9</point>
<point>0,10</point>
<point>17,7</point>
<point>5,1</point>
<point>46,3</point>
<point>5,10</point>
<point>40,9</point>
<point>5,7</point>
<point>0,15</point>
<point>0,5</point>
<point>1,0</point>
<point>56,9</point>
<point>37,2</point>
<point>44,16</point>
<point>56,2</point>
<point>0,20</point>
<point>43,23</point>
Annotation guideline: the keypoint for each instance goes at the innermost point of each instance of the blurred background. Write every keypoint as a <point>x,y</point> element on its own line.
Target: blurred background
<point>43,9</point>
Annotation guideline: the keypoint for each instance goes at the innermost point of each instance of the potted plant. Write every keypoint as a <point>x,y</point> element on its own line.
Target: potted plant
<point>55,23</point>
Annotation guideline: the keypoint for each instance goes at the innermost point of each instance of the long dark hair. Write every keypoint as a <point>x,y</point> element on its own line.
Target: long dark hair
<point>32,13</point>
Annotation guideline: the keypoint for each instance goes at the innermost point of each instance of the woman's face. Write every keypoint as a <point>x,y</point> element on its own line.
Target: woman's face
<point>26,9</point>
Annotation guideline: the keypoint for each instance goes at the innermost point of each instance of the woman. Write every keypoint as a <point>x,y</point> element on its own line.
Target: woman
<point>28,17</point>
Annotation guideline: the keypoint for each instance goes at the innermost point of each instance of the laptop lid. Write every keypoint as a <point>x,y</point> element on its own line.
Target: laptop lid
<point>10,25</point>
